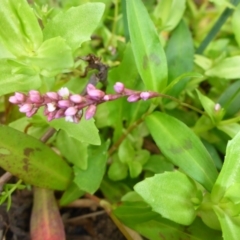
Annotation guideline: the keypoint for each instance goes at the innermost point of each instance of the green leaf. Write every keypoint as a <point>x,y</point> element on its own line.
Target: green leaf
<point>117,170</point>
<point>126,151</point>
<point>148,52</point>
<point>89,180</point>
<point>12,80</point>
<point>73,150</point>
<point>32,161</point>
<point>230,225</point>
<point>170,13</point>
<point>236,24</point>
<point>230,129</point>
<point>21,34</point>
<point>180,56</point>
<point>135,168</point>
<point>76,25</point>
<point>227,68</point>
<point>71,194</point>
<point>85,131</point>
<point>230,173</point>
<point>53,56</point>
<point>183,149</point>
<point>170,194</point>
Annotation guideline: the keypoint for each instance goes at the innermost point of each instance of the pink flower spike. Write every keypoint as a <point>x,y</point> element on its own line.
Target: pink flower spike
<point>90,112</point>
<point>76,98</point>
<point>144,95</point>
<point>90,87</point>
<point>27,107</point>
<point>52,95</point>
<point>96,94</point>
<point>119,87</point>
<point>64,92</point>
<point>64,103</point>
<point>51,107</point>
<point>71,111</point>
<point>13,100</point>
<point>35,96</point>
<point>32,112</point>
<point>59,113</point>
<point>133,98</point>
<point>20,96</point>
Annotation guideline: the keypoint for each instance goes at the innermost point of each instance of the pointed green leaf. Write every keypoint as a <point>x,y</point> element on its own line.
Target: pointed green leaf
<point>230,173</point>
<point>183,148</point>
<point>20,32</point>
<point>148,52</point>
<point>170,194</point>
<point>76,25</point>
<point>89,180</point>
<point>236,24</point>
<point>32,161</point>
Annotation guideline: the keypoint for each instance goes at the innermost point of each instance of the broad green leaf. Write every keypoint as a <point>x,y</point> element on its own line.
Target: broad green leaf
<point>148,52</point>
<point>170,13</point>
<point>184,149</point>
<point>53,56</point>
<point>180,56</point>
<point>32,161</point>
<point>230,225</point>
<point>170,194</point>
<point>72,193</point>
<point>236,24</point>
<point>73,150</point>
<point>12,80</point>
<point>85,131</point>
<point>230,173</point>
<point>89,180</point>
<point>76,25</point>
<point>20,32</point>
<point>227,68</point>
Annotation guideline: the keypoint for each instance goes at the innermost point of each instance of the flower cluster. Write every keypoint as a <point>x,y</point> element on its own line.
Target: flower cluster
<point>64,104</point>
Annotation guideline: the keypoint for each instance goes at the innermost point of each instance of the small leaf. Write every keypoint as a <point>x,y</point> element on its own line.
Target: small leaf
<point>11,80</point>
<point>76,25</point>
<point>73,150</point>
<point>236,24</point>
<point>184,149</point>
<point>89,180</point>
<point>170,12</point>
<point>135,168</point>
<point>71,194</point>
<point>126,151</point>
<point>117,170</point>
<point>32,161</point>
<point>148,52</point>
<point>230,225</point>
<point>170,194</point>
<point>230,129</point>
<point>227,68</point>
<point>85,131</point>
<point>230,173</point>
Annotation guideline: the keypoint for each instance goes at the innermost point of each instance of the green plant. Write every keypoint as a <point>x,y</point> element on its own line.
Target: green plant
<point>162,158</point>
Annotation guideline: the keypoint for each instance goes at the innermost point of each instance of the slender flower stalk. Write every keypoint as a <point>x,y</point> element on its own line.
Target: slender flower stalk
<point>63,104</point>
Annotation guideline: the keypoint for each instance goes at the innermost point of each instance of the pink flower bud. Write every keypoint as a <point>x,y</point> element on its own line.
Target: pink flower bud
<point>217,107</point>
<point>90,87</point>
<point>64,92</point>
<point>35,96</point>
<point>32,112</point>
<point>144,95</point>
<point>13,100</point>
<point>71,111</point>
<point>27,107</point>
<point>51,116</point>
<point>133,98</point>
<point>119,87</point>
<point>51,107</point>
<point>90,112</point>
<point>52,95</point>
<point>20,96</point>
<point>96,94</point>
<point>76,98</point>
<point>110,97</point>
<point>59,113</point>
<point>64,103</point>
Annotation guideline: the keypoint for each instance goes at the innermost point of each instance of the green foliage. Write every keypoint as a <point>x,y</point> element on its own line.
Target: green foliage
<point>169,168</point>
